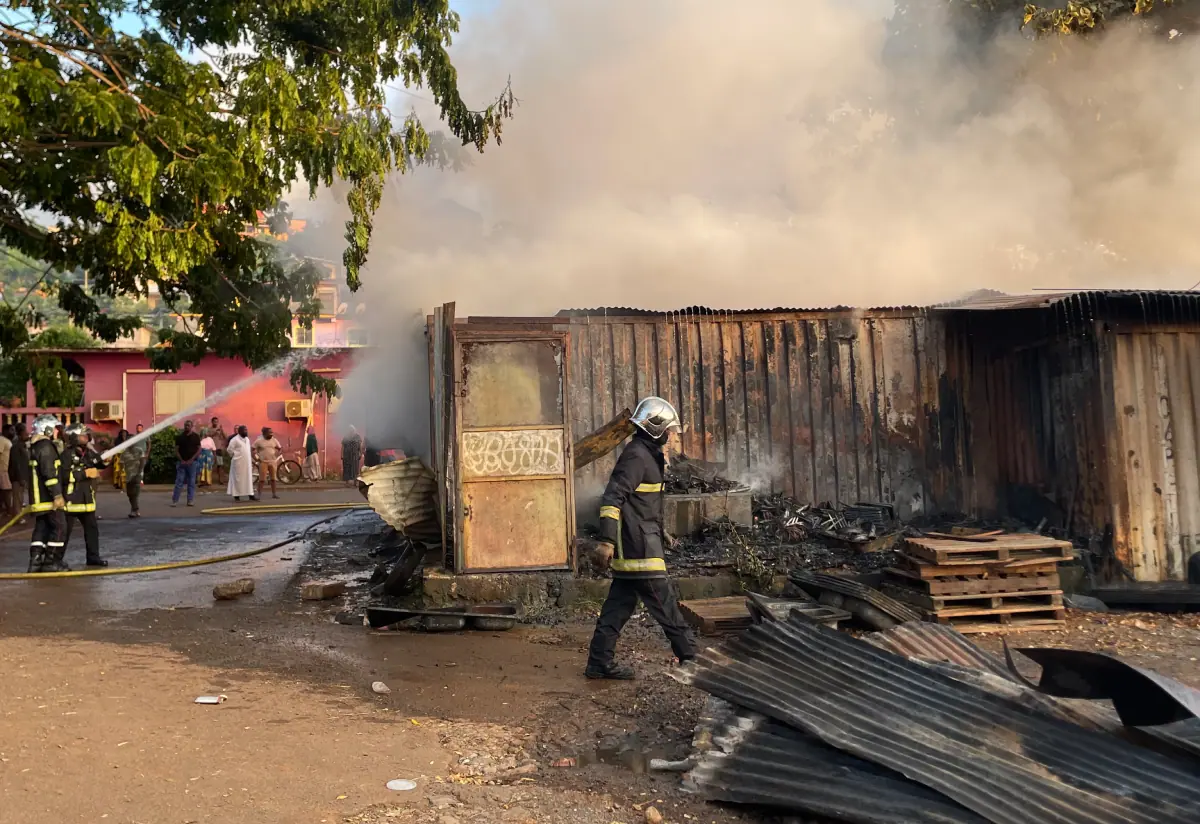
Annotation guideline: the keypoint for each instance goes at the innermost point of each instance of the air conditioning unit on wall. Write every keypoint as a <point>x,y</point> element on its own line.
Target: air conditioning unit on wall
<point>297,409</point>
<point>108,411</point>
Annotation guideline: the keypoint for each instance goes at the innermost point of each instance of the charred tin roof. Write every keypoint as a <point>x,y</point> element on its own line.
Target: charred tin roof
<point>983,751</point>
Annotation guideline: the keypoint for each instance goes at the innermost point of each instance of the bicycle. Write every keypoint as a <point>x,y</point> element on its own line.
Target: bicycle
<point>287,471</point>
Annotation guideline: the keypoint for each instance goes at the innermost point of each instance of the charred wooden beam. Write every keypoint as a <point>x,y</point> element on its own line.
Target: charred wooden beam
<point>595,446</point>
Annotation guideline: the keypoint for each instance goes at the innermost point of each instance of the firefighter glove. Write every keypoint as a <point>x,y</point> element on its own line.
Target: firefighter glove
<point>59,503</point>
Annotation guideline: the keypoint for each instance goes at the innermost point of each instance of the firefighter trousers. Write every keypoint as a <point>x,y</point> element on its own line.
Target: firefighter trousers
<point>91,532</point>
<point>49,539</point>
<point>659,599</point>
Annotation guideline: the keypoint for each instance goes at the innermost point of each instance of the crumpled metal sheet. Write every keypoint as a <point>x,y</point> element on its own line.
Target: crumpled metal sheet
<point>1158,708</point>
<point>952,653</point>
<point>763,762</point>
<point>937,642</point>
<point>1141,697</point>
<point>985,752</point>
<point>402,492</point>
<point>817,582</point>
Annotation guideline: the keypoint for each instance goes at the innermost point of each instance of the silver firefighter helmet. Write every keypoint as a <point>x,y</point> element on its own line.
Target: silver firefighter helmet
<point>655,417</point>
<point>77,433</point>
<point>44,425</point>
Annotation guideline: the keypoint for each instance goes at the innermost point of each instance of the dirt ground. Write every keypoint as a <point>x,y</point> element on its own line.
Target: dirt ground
<point>101,726</point>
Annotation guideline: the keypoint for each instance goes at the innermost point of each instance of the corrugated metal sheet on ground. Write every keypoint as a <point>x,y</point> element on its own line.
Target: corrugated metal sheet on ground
<point>402,492</point>
<point>815,582</point>
<point>987,753</point>
<point>953,654</point>
<point>766,763</point>
<point>937,642</point>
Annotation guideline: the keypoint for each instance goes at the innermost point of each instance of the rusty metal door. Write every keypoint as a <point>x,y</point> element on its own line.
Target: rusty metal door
<point>515,499</point>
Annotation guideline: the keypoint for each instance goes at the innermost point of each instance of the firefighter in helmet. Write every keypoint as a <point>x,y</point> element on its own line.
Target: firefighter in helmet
<point>631,536</point>
<point>46,502</point>
<point>82,466</point>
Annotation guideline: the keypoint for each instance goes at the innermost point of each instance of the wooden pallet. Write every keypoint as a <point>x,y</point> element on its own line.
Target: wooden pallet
<point>1005,549</point>
<point>1009,622</point>
<point>973,604</point>
<point>926,571</point>
<point>987,582</point>
<point>713,616</point>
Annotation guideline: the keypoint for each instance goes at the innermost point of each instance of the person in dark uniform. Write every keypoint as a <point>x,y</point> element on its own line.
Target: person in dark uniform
<point>48,544</point>
<point>82,467</point>
<point>631,530</point>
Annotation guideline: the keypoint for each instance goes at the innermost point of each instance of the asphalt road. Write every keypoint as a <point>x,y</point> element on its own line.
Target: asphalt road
<point>166,534</point>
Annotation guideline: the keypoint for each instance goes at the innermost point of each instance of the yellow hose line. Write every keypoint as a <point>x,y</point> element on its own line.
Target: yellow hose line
<point>90,573</point>
<point>277,509</point>
<point>16,518</point>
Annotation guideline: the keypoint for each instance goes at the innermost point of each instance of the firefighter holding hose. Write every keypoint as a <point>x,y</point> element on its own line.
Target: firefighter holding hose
<point>631,535</point>
<point>46,502</point>
<point>83,466</point>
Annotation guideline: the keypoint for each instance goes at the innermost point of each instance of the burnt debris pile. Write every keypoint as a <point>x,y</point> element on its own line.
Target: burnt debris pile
<point>690,476</point>
<point>917,724</point>
<point>784,534</point>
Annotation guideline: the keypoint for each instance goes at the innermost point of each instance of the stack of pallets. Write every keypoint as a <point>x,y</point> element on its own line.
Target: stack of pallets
<point>986,582</point>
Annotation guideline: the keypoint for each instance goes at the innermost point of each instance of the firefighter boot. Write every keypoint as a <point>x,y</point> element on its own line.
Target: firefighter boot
<point>54,560</point>
<point>37,558</point>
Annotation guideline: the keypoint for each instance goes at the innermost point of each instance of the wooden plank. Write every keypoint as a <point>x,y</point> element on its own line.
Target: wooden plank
<point>1003,555</point>
<point>600,339</point>
<point>950,606</point>
<point>883,459</point>
<point>799,410</point>
<point>1012,547</point>
<point>624,366</point>
<point>715,615</point>
<point>923,570</point>
<point>581,394</point>
<point>667,363</point>
<point>604,440</point>
<point>1022,623</point>
<point>778,412</point>
<point>734,376</point>
<point>845,435</point>
<point>1012,608</point>
<point>645,353</point>
<point>712,387</point>
<point>691,405</point>
<point>758,431</point>
<point>971,584</point>
<point>863,378</point>
<point>821,385</point>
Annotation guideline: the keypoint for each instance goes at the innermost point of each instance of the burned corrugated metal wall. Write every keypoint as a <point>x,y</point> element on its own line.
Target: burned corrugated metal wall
<point>1155,377</point>
<point>825,406</point>
<point>1036,420</point>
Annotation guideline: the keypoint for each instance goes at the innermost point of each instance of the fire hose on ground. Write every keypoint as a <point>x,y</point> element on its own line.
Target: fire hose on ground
<point>250,553</point>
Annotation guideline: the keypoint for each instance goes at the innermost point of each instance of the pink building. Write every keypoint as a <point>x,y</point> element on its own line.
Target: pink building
<point>120,390</point>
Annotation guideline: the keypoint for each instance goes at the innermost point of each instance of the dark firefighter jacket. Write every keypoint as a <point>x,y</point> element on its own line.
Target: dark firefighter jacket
<point>44,471</point>
<point>631,511</point>
<point>81,492</point>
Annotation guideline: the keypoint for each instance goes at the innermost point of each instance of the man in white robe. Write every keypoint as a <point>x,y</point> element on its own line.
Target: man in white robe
<point>241,477</point>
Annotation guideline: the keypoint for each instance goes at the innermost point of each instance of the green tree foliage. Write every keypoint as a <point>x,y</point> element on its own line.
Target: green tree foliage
<point>52,384</point>
<point>984,17</point>
<point>63,337</point>
<point>160,465</point>
<point>152,151</point>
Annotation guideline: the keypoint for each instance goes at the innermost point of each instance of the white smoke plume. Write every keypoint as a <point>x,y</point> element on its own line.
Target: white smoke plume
<point>684,152</point>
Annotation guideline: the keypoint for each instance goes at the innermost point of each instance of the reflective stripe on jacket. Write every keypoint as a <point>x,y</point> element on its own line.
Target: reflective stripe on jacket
<point>80,491</point>
<point>44,470</point>
<point>631,511</point>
